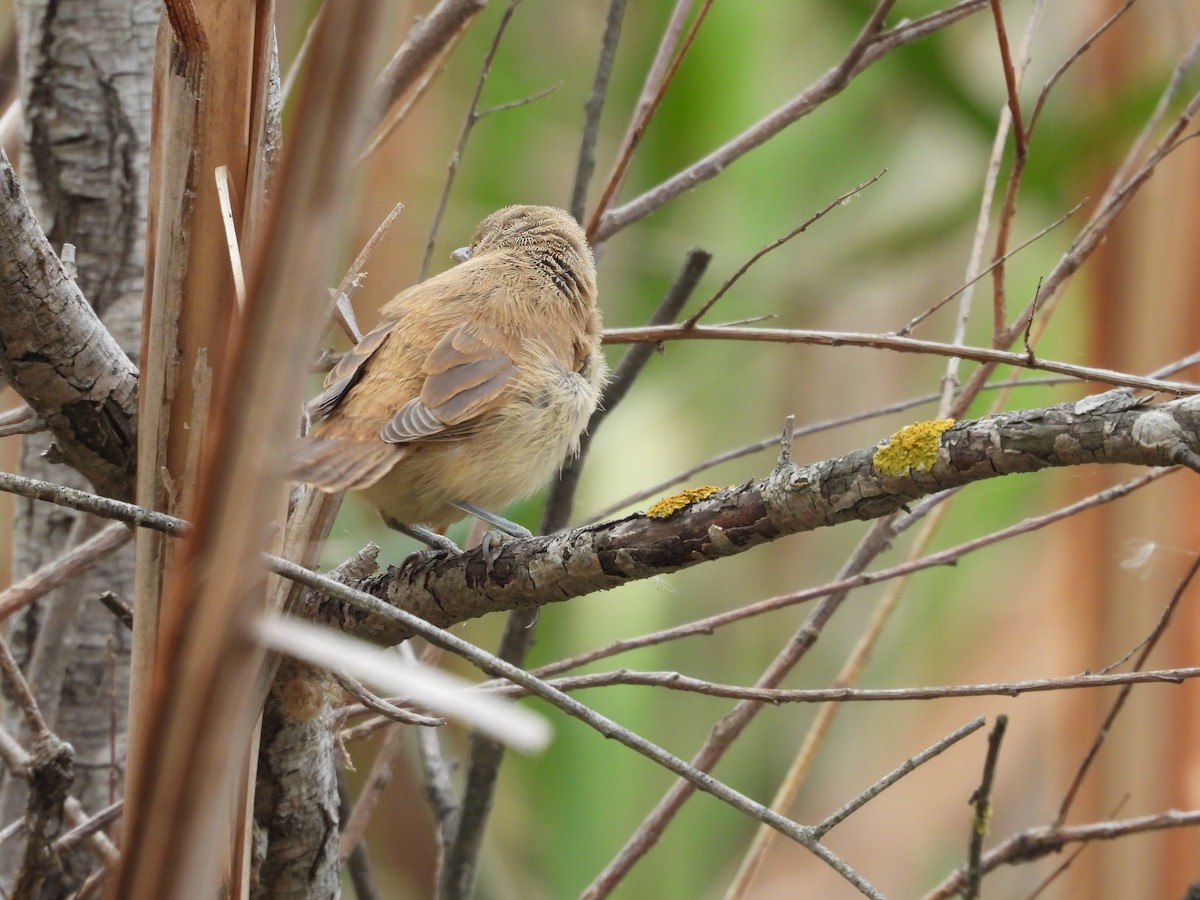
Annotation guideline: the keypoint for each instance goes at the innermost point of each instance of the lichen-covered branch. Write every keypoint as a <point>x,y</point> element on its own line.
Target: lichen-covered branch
<point>1114,427</point>
<point>919,460</point>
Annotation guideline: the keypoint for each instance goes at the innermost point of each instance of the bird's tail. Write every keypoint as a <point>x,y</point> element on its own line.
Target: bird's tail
<point>336,464</point>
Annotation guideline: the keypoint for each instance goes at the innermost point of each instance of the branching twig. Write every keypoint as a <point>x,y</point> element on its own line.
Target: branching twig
<point>691,321</point>
<point>871,45</point>
<point>658,78</point>
<point>909,765</point>
<point>1035,843</point>
<point>471,119</point>
<point>1119,701</point>
<point>981,800</point>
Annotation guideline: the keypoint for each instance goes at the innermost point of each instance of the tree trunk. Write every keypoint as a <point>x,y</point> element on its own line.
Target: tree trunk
<point>85,68</point>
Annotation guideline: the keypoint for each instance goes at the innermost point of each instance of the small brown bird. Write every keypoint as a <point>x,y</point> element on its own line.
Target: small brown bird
<point>476,384</point>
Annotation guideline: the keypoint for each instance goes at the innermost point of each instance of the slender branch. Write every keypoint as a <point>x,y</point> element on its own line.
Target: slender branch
<point>776,244</point>
<point>57,573</point>
<point>658,78</point>
<point>977,275</point>
<point>675,681</point>
<point>355,824</point>
<point>1010,83</point>
<point>377,704</point>
<point>870,46</point>
<point>909,765</point>
<point>21,694</point>
<point>1034,843</point>
<point>586,166</point>
<point>1119,701</point>
<point>469,121</point>
<point>992,357</point>
<point>982,801</point>
<point>426,41</point>
<point>1072,59</point>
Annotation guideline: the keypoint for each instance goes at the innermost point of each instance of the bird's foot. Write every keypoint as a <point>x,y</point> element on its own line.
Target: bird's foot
<point>430,539</point>
<point>507,526</point>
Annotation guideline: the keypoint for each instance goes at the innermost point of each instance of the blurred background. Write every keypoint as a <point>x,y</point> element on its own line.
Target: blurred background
<point>1072,598</point>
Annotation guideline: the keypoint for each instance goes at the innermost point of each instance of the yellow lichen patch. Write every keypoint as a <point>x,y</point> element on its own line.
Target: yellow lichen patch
<point>913,447</point>
<point>668,506</point>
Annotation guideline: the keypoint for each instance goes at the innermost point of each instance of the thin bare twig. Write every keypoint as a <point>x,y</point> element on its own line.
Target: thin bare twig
<point>21,420</point>
<point>1008,209</point>
<point>354,274</point>
<point>658,78</point>
<point>519,102</point>
<point>1071,60</point>
<point>22,694</point>
<point>428,40</point>
<point>675,681</point>
<point>383,707</point>
<point>1066,864</point>
<point>871,44</point>
<point>1034,843</point>
<point>982,801</point>
<point>991,356</point>
<point>469,121</point>
<point>1021,140</point>
<point>58,572</point>
<point>380,776</point>
<point>909,765</point>
<point>586,166</point>
<point>1119,701</point>
<point>691,321</point>
<point>921,317</point>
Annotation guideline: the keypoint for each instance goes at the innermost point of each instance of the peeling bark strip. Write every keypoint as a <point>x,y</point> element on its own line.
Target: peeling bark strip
<point>1114,427</point>
<point>58,356</point>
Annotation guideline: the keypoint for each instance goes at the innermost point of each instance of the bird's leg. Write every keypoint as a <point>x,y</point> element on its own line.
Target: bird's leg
<point>430,539</point>
<point>506,525</point>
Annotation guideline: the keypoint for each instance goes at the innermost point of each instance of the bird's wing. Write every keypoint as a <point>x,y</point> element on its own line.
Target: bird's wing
<point>337,464</point>
<point>467,374</point>
<point>349,369</point>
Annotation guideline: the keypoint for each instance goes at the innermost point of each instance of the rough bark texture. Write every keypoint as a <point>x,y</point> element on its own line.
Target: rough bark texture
<point>296,809</point>
<point>1114,427</point>
<point>58,356</point>
<point>85,85</point>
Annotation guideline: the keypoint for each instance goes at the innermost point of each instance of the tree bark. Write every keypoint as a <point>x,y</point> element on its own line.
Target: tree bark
<point>85,86</point>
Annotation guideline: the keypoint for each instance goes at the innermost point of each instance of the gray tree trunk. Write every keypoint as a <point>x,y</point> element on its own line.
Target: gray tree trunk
<point>85,83</point>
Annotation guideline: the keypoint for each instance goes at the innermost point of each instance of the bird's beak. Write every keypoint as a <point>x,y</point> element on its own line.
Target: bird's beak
<point>462,254</point>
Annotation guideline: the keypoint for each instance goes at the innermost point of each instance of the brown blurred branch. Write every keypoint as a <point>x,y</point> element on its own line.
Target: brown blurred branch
<point>426,41</point>
<point>870,46</point>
